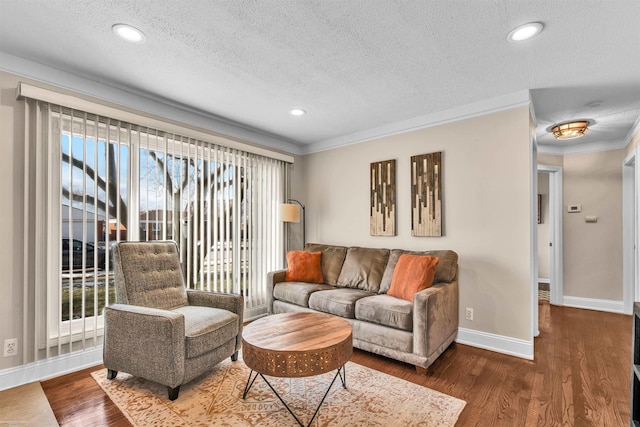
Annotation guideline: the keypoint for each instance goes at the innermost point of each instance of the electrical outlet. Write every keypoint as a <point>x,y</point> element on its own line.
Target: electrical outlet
<point>10,347</point>
<point>468,314</point>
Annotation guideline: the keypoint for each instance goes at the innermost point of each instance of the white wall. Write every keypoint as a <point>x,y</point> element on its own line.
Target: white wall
<point>486,208</point>
<point>11,217</point>
<point>593,251</point>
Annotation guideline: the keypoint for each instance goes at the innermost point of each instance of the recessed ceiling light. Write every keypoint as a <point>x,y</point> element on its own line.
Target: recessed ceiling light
<point>524,32</point>
<point>297,112</point>
<point>129,33</point>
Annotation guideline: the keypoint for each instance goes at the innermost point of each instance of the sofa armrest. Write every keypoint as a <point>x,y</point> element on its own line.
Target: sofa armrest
<point>230,302</point>
<point>145,342</point>
<point>435,317</point>
<point>273,278</point>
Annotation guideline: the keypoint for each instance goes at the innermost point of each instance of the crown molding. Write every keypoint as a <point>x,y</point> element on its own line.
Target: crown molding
<point>476,109</point>
<point>143,102</point>
<point>633,131</point>
<point>532,111</point>
<point>592,147</point>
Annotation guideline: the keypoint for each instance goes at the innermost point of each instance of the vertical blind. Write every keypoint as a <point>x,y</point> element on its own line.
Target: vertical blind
<point>99,181</point>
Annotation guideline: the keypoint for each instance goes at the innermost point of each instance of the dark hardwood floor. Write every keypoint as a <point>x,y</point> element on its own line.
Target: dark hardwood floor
<point>580,377</point>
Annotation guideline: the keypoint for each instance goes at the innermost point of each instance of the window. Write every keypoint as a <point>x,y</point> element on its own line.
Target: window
<point>105,180</point>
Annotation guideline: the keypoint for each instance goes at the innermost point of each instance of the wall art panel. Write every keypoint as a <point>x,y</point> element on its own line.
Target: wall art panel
<point>383,198</point>
<point>426,195</point>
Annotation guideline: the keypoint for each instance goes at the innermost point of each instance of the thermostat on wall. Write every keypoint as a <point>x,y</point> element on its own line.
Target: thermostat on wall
<point>574,208</point>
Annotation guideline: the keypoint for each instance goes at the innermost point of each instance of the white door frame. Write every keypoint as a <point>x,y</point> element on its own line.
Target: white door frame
<point>630,229</point>
<point>556,268</point>
<point>533,221</point>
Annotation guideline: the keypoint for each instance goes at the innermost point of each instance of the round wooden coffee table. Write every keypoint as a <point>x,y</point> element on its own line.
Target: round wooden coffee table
<point>296,345</point>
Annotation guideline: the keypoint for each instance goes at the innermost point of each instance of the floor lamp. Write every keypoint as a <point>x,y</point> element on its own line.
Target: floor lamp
<point>291,213</point>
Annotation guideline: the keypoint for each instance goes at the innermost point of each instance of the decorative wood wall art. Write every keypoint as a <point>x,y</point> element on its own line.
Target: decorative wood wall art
<point>426,194</point>
<point>383,198</point>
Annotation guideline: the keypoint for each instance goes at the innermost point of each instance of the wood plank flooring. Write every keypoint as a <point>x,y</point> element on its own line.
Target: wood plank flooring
<point>77,400</point>
<point>580,377</point>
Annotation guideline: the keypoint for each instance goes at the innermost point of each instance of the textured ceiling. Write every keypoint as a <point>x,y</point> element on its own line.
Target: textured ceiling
<point>352,65</point>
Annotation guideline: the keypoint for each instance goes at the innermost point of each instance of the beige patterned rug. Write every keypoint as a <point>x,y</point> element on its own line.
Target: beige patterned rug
<point>371,398</point>
<point>26,405</point>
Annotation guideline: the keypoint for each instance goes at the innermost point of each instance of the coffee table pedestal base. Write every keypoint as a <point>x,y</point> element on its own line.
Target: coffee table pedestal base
<point>341,372</point>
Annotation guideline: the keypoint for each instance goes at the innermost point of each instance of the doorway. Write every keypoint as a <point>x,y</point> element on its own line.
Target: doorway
<point>554,268</point>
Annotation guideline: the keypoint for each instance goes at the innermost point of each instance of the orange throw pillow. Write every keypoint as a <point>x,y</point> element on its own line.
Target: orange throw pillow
<point>304,266</point>
<point>413,273</point>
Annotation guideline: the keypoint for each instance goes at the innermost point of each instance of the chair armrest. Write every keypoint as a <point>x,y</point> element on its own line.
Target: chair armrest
<point>435,317</point>
<point>273,277</point>
<point>231,302</point>
<point>145,342</point>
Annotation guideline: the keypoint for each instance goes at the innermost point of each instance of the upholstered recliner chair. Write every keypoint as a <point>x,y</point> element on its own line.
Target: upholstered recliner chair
<point>158,329</point>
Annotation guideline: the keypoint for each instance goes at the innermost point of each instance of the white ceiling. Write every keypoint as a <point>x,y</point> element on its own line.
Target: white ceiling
<point>352,65</point>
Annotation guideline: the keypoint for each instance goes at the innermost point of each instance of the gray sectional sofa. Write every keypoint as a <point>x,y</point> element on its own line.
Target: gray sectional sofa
<point>356,281</point>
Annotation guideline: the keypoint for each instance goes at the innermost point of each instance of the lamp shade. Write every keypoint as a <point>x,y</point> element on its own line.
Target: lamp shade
<point>290,212</point>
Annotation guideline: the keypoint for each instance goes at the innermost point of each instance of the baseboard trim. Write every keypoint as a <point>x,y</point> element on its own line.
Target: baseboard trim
<point>544,280</point>
<point>498,343</point>
<point>594,304</point>
<point>50,368</point>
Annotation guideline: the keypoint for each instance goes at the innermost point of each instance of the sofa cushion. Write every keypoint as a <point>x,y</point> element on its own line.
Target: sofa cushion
<point>331,260</point>
<point>386,310</point>
<point>297,292</point>
<point>413,273</point>
<point>339,302</point>
<point>363,268</point>
<point>206,328</point>
<point>445,271</point>
<point>303,266</point>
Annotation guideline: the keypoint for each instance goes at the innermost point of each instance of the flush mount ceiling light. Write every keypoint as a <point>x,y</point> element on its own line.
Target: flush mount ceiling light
<point>524,32</point>
<point>297,112</point>
<point>129,33</point>
<point>570,130</point>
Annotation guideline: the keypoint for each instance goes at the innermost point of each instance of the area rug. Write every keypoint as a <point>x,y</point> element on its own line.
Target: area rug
<point>26,405</point>
<point>371,398</point>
